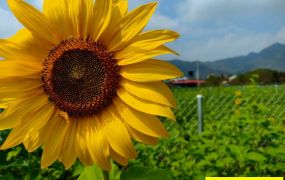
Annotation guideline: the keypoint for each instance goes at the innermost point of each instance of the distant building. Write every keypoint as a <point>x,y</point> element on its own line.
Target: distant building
<point>233,77</point>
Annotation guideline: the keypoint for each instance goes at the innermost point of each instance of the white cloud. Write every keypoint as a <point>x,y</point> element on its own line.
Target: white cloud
<point>215,29</point>
<point>159,21</point>
<point>231,45</point>
<point>202,10</point>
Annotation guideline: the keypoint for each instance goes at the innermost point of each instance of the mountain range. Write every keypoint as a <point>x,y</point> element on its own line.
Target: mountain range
<point>272,57</point>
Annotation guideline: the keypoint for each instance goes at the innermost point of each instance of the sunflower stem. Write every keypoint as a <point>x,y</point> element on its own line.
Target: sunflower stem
<point>106,175</point>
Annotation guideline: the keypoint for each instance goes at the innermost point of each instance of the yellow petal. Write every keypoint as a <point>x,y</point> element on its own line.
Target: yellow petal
<point>144,123</point>
<point>117,134</point>
<point>57,11</point>
<point>33,142</point>
<point>119,9</point>
<point>147,41</point>
<point>81,14</point>
<point>102,16</point>
<point>3,105</point>
<point>150,70</point>
<point>7,48</point>
<point>4,102</point>
<point>21,36</point>
<point>68,148</point>
<point>98,144</point>
<point>10,87</point>
<point>140,137</point>
<point>118,158</point>
<point>29,46</point>
<point>152,39</point>
<point>130,26</point>
<point>55,131</point>
<point>24,83</point>
<point>30,124</point>
<point>82,141</point>
<point>19,109</point>
<point>11,68</point>
<point>34,20</point>
<point>140,54</point>
<point>145,106</point>
<point>156,92</point>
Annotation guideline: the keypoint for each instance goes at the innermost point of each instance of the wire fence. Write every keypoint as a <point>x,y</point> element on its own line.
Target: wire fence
<point>222,103</point>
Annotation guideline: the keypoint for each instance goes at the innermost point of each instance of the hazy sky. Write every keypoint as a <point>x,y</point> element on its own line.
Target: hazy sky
<point>210,29</point>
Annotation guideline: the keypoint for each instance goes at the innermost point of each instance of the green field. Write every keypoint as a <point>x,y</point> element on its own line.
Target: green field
<point>245,139</point>
<point>243,136</point>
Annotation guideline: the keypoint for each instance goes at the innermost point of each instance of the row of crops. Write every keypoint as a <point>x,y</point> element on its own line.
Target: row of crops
<point>244,135</point>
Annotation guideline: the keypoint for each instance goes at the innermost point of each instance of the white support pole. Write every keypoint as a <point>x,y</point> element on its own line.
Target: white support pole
<point>200,112</point>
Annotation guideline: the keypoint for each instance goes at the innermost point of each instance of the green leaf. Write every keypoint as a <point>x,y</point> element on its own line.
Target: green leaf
<point>91,173</point>
<point>115,172</point>
<point>280,166</point>
<point>78,170</point>
<point>13,153</point>
<point>8,176</point>
<point>276,151</point>
<point>142,173</point>
<point>255,156</point>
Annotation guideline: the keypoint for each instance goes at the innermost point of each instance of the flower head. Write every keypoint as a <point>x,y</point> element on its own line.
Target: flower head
<point>238,101</point>
<point>238,93</point>
<point>81,81</point>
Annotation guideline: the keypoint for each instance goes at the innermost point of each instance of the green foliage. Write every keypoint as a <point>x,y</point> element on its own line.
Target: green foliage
<point>260,76</point>
<point>143,173</point>
<point>91,173</point>
<point>245,143</point>
<point>94,172</point>
<point>215,80</point>
<point>16,163</point>
<point>265,76</point>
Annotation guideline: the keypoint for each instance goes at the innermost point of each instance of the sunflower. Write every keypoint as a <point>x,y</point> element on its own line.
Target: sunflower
<point>81,81</point>
<point>238,101</point>
<point>238,93</point>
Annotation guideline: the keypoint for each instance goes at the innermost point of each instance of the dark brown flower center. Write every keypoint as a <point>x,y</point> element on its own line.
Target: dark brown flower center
<point>80,76</point>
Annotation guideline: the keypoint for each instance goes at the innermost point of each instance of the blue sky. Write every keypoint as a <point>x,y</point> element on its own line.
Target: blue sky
<point>210,29</point>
